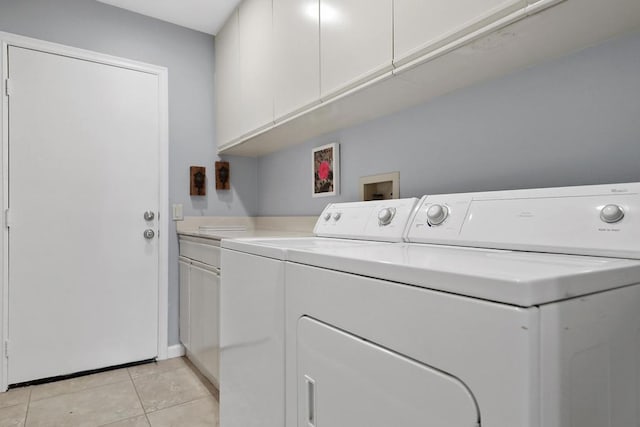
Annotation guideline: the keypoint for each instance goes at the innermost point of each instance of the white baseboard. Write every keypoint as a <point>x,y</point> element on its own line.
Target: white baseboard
<point>175,351</point>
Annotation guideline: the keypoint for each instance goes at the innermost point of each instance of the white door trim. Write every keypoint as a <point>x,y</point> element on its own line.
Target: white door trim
<point>7,40</point>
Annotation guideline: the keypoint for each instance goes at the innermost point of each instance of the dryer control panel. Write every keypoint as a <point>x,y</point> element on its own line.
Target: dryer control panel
<point>380,220</point>
<point>600,220</point>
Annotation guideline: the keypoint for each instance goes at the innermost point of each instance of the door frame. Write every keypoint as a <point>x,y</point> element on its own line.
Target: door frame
<point>7,40</point>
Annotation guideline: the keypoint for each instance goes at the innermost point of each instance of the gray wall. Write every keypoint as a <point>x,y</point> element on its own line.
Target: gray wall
<point>189,56</point>
<point>569,121</point>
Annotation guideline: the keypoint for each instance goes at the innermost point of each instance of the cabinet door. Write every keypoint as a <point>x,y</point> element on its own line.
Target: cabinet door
<point>423,25</point>
<point>296,44</point>
<point>256,83</point>
<point>204,320</point>
<point>184,303</point>
<point>227,82</point>
<point>355,42</point>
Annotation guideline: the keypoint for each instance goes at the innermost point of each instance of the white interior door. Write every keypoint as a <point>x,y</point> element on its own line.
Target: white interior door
<point>83,168</point>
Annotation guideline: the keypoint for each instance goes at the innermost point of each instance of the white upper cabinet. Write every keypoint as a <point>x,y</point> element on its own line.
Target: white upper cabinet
<point>355,42</point>
<point>290,70</point>
<point>424,25</point>
<point>227,83</point>
<point>296,45</point>
<point>256,82</point>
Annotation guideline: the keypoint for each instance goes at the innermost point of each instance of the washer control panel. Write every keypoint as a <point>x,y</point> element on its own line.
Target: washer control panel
<point>600,220</point>
<point>382,220</point>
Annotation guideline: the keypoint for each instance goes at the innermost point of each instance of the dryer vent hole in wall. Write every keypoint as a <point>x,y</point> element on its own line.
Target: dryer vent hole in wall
<point>380,187</point>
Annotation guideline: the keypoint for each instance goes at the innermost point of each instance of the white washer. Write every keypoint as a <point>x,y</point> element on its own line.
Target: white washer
<point>252,304</point>
<point>446,335</point>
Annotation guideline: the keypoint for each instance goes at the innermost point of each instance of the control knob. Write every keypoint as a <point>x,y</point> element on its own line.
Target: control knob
<point>385,216</point>
<point>327,216</point>
<point>336,216</point>
<point>611,214</point>
<point>436,214</point>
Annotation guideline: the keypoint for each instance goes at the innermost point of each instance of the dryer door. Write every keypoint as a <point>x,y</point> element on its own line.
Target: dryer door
<point>345,381</point>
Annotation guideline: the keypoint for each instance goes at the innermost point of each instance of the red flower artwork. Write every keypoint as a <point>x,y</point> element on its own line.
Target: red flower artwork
<point>323,170</point>
<point>325,163</point>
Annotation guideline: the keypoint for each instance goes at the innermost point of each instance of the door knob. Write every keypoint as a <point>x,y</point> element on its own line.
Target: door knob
<point>149,215</point>
<point>149,233</point>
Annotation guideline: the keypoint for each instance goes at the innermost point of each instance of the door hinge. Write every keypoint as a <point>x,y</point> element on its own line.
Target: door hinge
<point>8,85</point>
<point>7,218</point>
<point>6,349</point>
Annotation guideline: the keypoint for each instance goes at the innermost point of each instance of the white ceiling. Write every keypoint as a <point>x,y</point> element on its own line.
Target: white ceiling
<point>202,15</point>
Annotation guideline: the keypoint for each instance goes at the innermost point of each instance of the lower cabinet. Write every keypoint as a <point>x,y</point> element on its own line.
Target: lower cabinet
<point>185,266</point>
<point>199,315</point>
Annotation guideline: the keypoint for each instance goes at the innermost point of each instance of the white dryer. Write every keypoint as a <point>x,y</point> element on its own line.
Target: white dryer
<point>509,309</point>
<point>252,304</point>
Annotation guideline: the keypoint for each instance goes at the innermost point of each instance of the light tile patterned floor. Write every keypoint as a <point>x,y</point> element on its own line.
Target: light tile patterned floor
<point>170,393</point>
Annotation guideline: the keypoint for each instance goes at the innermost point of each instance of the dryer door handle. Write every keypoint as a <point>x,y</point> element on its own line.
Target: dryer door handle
<point>311,401</point>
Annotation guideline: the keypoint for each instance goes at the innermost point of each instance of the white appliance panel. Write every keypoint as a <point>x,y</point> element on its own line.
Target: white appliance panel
<point>476,341</point>
<point>251,341</point>
<point>345,381</point>
<point>519,278</point>
<point>569,356</point>
<point>252,326</point>
<point>362,220</point>
<point>591,373</point>
<point>558,220</point>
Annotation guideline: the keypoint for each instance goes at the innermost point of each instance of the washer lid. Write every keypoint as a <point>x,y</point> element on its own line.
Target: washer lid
<point>517,278</point>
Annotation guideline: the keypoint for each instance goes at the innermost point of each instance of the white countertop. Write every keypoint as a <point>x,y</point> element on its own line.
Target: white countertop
<point>220,227</point>
<point>235,234</point>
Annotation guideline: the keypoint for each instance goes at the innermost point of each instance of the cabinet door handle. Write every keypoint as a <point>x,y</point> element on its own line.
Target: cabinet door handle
<point>311,401</point>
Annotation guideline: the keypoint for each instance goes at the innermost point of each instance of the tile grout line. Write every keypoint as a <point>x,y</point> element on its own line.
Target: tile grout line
<point>76,391</point>
<point>119,421</point>
<point>180,404</point>
<point>65,395</point>
<point>204,380</point>
<point>187,367</point>
<point>26,414</point>
<point>144,411</point>
<point>153,373</point>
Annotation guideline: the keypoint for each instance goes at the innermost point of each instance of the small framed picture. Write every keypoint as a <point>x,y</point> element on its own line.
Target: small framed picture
<point>325,163</point>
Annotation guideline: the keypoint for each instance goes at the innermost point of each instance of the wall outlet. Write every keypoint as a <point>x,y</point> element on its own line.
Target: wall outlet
<point>177,212</point>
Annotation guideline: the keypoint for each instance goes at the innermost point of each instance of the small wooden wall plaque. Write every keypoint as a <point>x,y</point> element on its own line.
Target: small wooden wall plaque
<point>198,180</point>
<point>223,176</point>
